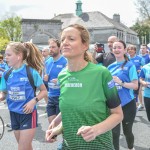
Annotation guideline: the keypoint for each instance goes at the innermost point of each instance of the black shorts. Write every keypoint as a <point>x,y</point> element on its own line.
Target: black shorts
<point>53,106</point>
<point>23,121</point>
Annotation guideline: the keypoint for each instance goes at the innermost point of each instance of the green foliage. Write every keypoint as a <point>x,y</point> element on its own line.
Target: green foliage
<point>3,43</point>
<point>143,30</point>
<point>11,28</point>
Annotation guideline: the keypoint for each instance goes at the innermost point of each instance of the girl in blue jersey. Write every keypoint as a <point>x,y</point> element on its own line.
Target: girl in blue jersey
<point>126,80</point>
<point>21,98</point>
<point>145,81</point>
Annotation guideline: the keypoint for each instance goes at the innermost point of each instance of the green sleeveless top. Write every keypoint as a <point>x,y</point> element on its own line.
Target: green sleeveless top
<point>84,100</point>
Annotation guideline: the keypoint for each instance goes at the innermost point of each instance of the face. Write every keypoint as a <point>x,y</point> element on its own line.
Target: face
<point>131,51</point>
<point>143,49</point>
<point>45,52</point>
<point>119,50</point>
<point>54,49</point>
<point>110,42</point>
<point>71,43</point>
<point>11,57</point>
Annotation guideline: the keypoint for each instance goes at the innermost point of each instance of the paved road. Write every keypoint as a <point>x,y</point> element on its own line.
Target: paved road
<point>141,131</point>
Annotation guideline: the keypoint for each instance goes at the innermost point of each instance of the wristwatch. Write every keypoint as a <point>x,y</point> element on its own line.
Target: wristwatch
<point>36,99</point>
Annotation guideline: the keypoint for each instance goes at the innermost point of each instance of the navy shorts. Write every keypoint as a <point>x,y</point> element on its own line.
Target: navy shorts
<point>23,121</point>
<point>53,106</point>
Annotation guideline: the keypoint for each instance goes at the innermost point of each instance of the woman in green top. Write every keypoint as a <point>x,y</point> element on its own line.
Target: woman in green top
<point>89,102</point>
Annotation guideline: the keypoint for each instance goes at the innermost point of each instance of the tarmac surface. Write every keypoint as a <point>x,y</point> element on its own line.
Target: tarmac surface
<point>141,130</point>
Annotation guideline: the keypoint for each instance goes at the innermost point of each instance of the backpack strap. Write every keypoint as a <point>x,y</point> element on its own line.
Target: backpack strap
<point>30,77</point>
<point>8,73</point>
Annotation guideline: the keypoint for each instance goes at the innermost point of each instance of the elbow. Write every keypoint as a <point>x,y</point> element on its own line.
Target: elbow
<point>136,85</point>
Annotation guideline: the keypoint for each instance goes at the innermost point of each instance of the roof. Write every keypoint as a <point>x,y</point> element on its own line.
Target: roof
<point>94,19</point>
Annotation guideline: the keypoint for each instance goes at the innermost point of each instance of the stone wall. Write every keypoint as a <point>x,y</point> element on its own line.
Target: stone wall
<point>40,30</point>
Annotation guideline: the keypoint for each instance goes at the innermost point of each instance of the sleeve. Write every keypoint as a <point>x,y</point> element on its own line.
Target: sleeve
<point>142,73</point>
<point>110,91</point>
<point>37,78</point>
<point>133,73</point>
<point>99,58</point>
<point>3,84</point>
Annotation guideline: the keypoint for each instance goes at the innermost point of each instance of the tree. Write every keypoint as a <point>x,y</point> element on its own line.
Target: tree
<point>11,27</point>
<point>143,30</point>
<point>3,43</point>
<point>143,7</point>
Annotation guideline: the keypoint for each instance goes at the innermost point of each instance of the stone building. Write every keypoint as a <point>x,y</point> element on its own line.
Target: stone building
<point>40,30</point>
<point>99,25</point>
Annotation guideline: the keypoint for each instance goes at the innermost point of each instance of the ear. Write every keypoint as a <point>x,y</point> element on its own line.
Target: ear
<point>85,46</point>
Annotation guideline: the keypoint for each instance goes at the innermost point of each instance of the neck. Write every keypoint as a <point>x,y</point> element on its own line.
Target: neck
<point>56,57</point>
<point>74,66</point>
<point>18,66</point>
<point>120,59</point>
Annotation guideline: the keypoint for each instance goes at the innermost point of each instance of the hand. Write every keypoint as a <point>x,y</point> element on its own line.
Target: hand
<point>2,96</point>
<point>87,132</point>
<point>54,80</point>
<point>52,133</point>
<point>28,108</point>
<point>45,77</point>
<point>95,48</point>
<point>144,83</point>
<point>50,136</point>
<point>117,80</point>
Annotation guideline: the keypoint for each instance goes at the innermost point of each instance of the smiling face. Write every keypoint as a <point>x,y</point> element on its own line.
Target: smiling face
<point>131,49</point>
<point>119,50</point>
<point>71,43</point>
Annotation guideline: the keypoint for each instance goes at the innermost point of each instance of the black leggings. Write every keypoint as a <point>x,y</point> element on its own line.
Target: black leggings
<point>129,111</point>
<point>147,107</point>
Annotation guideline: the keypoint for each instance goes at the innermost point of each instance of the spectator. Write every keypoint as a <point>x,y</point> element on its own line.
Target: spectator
<point>107,58</point>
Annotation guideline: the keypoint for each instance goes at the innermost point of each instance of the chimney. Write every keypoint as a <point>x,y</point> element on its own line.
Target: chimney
<point>78,8</point>
<point>116,17</point>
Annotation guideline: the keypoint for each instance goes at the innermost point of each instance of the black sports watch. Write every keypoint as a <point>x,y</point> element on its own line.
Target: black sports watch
<point>36,99</point>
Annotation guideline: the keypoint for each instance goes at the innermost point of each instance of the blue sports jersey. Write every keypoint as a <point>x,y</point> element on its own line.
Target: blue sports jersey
<point>55,68</point>
<point>146,58</point>
<point>19,89</point>
<point>145,74</point>
<point>3,66</point>
<point>127,74</point>
<point>138,61</point>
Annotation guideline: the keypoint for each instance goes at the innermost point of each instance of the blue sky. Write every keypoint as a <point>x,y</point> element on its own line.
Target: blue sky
<point>46,9</point>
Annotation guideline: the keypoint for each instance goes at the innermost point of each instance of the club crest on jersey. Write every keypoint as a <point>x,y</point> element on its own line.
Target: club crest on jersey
<point>111,84</point>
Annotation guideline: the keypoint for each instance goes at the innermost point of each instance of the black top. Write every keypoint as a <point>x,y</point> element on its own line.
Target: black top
<point>106,59</point>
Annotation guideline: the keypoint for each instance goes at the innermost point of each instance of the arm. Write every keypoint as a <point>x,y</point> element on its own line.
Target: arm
<point>55,122</point>
<point>129,85</point>
<point>143,82</point>
<point>52,133</point>
<point>89,133</point>
<point>28,108</point>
